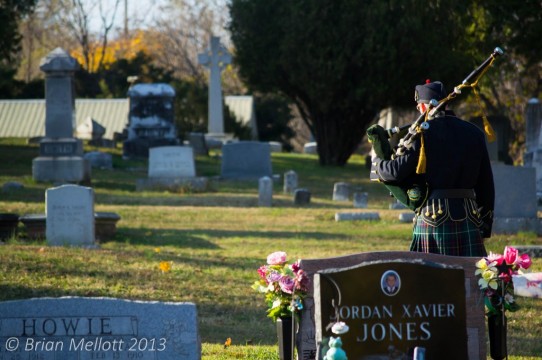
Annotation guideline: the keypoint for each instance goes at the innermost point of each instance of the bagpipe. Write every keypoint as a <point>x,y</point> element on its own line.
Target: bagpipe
<point>413,191</point>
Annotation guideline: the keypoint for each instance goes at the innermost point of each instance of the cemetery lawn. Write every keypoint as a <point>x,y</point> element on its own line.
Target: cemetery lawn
<point>214,242</point>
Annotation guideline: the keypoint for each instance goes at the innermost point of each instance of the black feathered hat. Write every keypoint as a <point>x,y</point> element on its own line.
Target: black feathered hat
<point>430,90</point>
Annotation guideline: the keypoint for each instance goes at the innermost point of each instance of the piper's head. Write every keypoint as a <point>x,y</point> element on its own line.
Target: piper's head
<point>423,94</point>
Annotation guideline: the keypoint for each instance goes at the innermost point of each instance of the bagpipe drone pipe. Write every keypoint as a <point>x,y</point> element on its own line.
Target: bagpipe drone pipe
<point>413,191</point>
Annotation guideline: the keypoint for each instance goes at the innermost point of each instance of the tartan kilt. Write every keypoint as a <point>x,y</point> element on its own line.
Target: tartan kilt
<point>451,237</point>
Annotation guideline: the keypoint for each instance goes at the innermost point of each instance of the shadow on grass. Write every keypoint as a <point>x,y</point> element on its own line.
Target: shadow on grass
<point>216,322</point>
<point>197,239</point>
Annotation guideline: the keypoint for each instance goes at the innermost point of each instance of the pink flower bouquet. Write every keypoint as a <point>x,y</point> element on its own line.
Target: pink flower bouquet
<point>495,281</point>
<point>283,285</point>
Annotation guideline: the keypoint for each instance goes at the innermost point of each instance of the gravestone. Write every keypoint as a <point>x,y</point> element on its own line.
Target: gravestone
<point>171,162</point>
<point>410,292</point>
<point>276,147</point>
<point>90,129</point>
<point>197,142</point>
<point>12,186</point>
<point>60,155</point>
<point>265,191</point>
<point>100,160</point>
<point>171,168</point>
<point>302,197</point>
<point>216,58</point>
<point>151,119</point>
<point>75,328</point>
<point>290,182</point>
<point>361,200</point>
<point>69,211</point>
<point>515,200</point>
<point>407,217</point>
<point>341,191</point>
<point>351,216</point>
<point>310,148</point>
<point>246,160</point>
<point>533,142</point>
<point>392,309</point>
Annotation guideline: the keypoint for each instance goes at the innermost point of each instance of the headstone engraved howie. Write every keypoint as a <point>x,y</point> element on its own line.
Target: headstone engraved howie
<point>97,328</point>
<point>428,295</point>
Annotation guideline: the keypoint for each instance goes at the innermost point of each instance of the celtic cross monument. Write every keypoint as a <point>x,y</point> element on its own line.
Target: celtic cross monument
<point>216,58</point>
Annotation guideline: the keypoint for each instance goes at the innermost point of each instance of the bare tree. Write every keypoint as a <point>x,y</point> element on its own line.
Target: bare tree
<point>184,30</point>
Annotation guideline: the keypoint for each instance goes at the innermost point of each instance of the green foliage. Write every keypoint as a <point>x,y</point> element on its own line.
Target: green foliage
<point>11,13</point>
<point>273,115</point>
<point>340,62</point>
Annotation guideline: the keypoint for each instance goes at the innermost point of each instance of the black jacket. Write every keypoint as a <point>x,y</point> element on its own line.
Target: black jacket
<point>457,158</point>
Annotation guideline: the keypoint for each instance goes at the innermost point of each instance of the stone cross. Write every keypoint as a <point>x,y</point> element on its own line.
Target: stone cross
<point>215,58</point>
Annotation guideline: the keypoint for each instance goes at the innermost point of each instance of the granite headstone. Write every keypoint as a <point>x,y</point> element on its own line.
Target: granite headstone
<point>70,216</point>
<point>246,160</point>
<point>75,328</point>
<point>473,301</point>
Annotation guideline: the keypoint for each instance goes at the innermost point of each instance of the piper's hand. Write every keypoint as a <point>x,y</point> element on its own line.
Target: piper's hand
<point>376,132</point>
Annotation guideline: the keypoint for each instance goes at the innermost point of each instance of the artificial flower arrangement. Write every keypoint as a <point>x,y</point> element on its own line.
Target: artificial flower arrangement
<point>285,286</point>
<point>496,280</point>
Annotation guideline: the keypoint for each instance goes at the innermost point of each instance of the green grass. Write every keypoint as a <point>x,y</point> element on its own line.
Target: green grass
<point>215,241</point>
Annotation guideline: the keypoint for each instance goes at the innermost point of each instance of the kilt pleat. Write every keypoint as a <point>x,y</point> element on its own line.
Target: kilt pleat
<point>452,237</point>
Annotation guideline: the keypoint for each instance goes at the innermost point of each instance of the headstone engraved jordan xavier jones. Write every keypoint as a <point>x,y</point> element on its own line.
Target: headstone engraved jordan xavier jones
<point>73,328</point>
<point>393,307</point>
<point>475,319</point>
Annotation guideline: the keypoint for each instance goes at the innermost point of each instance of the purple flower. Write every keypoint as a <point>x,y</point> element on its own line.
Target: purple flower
<point>273,277</point>
<point>287,284</point>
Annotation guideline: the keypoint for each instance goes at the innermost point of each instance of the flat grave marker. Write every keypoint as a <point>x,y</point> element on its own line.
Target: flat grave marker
<point>75,328</point>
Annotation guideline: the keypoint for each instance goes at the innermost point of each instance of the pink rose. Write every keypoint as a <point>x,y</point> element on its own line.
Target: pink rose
<point>262,271</point>
<point>510,255</point>
<point>498,258</point>
<point>276,258</point>
<point>524,261</point>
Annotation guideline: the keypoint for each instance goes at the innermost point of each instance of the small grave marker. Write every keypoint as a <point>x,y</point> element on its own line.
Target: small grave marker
<point>290,182</point>
<point>265,191</point>
<point>70,215</point>
<point>341,191</point>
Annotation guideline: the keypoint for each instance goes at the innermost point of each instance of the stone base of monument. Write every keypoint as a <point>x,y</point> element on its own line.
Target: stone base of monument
<point>188,184</point>
<point>216,140</point>
<point>74,169</point>
<point>139,148</point>
<point>105,225</point>
<point>502,225</point>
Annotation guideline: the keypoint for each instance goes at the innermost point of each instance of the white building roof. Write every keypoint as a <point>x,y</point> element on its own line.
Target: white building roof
<point>26,118</point>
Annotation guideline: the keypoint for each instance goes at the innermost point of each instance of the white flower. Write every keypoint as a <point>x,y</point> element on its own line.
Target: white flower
<point>339,328</point>
<point>276,303</point>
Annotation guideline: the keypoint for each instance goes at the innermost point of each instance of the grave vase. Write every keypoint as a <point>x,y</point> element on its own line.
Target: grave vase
<point>496,325</point>
<point>285,335</point>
